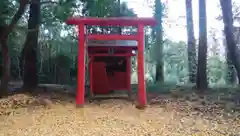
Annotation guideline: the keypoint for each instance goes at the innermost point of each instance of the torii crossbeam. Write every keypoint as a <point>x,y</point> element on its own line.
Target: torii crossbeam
<point>113,21</point>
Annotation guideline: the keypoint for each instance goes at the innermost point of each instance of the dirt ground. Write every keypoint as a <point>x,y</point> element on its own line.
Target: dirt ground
<point>56,115</point>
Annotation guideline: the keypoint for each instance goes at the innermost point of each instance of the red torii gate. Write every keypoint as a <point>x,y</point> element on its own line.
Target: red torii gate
<point>120,21</point>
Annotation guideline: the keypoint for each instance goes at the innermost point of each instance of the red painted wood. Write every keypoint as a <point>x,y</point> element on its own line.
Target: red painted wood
<point>100,83</point>
<point>111,37</point>
<point>142,99</point>
<point>113,45</point>
<point>81,66</point>
<point>119,80</point>
<point>119,48</point>
<point>122,21</point>
<point>117,55</point>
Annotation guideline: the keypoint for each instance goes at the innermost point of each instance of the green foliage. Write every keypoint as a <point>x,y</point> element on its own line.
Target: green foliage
<point>57,68</point>
<point>57,38</point>
<point>58,42</point>
<point>105,8</point>
<point>215,71</point>
<point>175,60</point>
<point>101,8</point>
<point>7,9</point>
<point>65,9</point>
<point>62,61</point>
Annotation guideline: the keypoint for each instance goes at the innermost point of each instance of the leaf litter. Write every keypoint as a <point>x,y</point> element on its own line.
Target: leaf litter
<point>176,114</point>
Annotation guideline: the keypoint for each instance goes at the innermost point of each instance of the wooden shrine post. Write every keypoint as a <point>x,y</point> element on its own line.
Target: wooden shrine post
<point>142,98</point>
<point>81,66</point>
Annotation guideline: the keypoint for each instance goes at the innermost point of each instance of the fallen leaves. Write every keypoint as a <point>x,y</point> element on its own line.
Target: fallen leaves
<point>183,114</point>
<point>11,103</point>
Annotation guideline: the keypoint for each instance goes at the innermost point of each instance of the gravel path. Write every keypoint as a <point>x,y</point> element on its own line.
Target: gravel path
<point>108,118</point>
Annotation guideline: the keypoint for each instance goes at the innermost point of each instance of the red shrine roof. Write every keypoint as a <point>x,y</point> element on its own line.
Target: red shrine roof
<point>123,21</point>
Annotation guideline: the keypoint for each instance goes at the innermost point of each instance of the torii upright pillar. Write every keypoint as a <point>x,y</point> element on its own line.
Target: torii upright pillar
<point>121,21</point>
<point>81,66</point>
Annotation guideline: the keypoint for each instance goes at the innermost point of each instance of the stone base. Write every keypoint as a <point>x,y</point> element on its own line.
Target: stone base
<point>141,107</point>
<point>79,106</point>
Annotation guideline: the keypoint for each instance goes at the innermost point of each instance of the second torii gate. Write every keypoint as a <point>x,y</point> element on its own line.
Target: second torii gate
<point>113,21</point>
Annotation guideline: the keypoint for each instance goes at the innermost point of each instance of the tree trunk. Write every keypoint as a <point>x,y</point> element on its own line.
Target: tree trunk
<point>119,15</point>
<point>202,49</point>
<point>5,69</point>
<point>30,48</point>
<point>191,42</point>
<point>4,33</point>
<point>226,6</point>
<point>159,41</point>
<point>230,73</point>
<point>237,35</point>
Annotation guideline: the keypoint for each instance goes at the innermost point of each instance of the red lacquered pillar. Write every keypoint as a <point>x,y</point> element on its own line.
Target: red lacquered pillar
<point>81,67</point>
<point>142,100</point>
